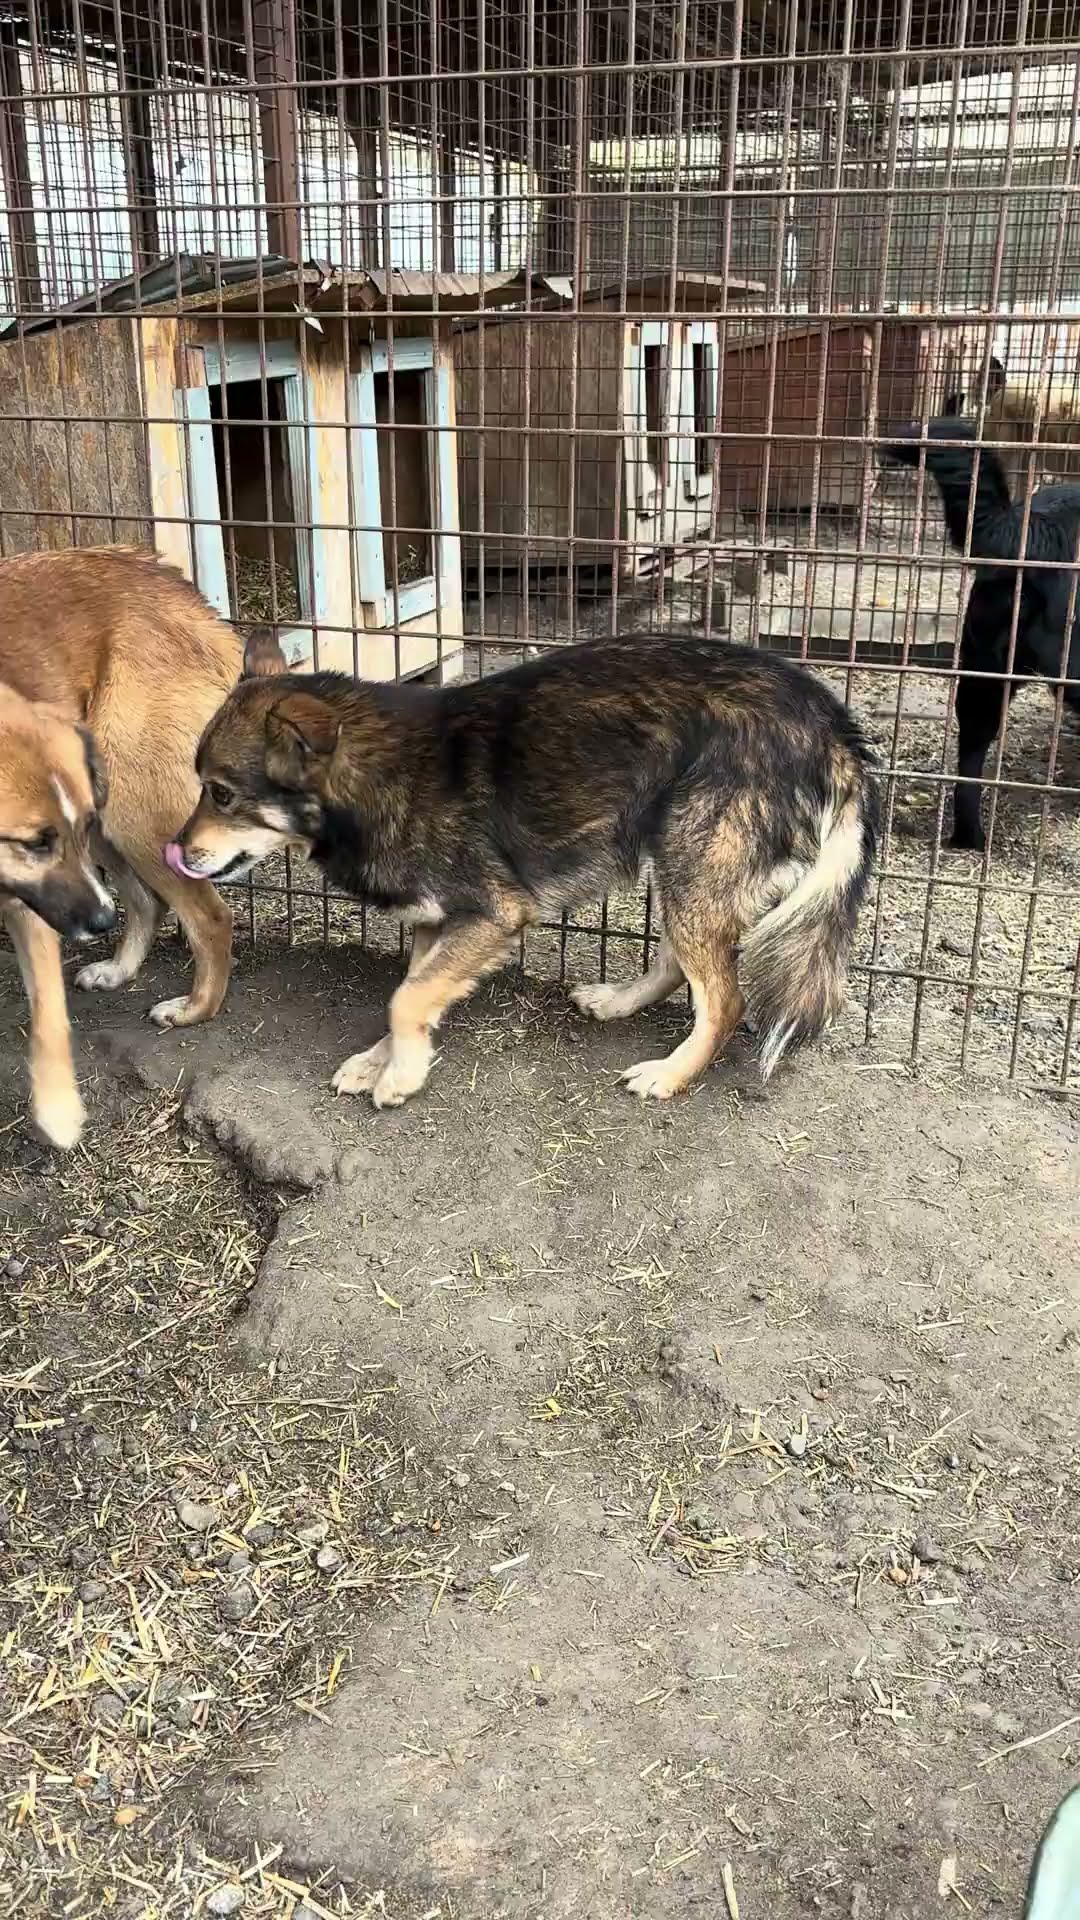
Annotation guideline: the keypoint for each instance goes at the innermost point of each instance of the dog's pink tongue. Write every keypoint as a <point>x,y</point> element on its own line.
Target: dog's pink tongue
<point>174,858</point>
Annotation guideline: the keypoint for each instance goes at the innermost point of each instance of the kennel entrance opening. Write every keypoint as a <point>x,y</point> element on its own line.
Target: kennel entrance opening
<point>254,492</point>
<point>408,559</point>
<point>251,458</point>
<point>697,408</point>
<point>653,400</point>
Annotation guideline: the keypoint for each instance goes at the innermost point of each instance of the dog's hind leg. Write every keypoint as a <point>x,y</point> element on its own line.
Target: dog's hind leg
<point>360,1071</point>
<point>142,916</point>
<point>705,950</point>
<point>466,950</point>
<point>980,705</point>
<point>608,1002</point>
<point>55,1102</point>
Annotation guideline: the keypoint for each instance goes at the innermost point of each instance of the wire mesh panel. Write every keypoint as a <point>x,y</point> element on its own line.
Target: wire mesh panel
<point>434,334</point>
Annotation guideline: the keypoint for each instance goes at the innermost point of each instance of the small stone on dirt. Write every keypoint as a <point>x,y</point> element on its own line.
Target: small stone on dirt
<point>196,1517</point>
<point>225,1900</point>
<point>260,1535</point>
<point>352,1164</point>
<point>15,1268</point>
<point>796,1444</point>
<point>236,1602</point>
<point>92,1590</point>
<point>926,1550</point>
<point>110,1708</point>
<point>312,1534</point>
<point>328,1559</point>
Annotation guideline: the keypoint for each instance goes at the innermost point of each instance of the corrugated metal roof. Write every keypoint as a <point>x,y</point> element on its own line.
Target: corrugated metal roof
<point>204,283</point>
<point>175,280</point>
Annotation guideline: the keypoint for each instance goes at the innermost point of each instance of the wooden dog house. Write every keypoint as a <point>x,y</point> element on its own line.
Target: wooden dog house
<point>580,426</point>
<point>286,438</point>
<point>804,369</point>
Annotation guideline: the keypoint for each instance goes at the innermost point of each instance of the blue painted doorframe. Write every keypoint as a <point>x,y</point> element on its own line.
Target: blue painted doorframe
<point>442,585</point>
<point>246,360</point>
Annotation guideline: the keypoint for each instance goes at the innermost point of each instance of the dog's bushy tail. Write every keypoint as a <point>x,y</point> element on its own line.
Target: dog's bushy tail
<point>793,962</point>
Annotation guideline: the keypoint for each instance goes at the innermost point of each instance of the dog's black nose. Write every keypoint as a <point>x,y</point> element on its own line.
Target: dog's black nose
<point>102,919</point>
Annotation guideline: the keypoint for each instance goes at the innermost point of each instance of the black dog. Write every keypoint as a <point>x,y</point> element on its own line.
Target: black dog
<point>1044,646</point>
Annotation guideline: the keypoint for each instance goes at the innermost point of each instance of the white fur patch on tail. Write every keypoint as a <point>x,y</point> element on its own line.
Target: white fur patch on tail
<point>787,970</point>
<point>775,1042</point>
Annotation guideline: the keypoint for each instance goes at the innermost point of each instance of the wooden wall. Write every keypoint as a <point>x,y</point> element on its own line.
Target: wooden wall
<point>73,465</point>
<point>534,491</point>
<point>809,360</point>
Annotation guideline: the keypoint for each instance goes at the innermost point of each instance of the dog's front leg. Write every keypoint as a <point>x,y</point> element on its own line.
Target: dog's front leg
<point>55,1102</point>
<point>360,1071</point>
<point>466,950</point>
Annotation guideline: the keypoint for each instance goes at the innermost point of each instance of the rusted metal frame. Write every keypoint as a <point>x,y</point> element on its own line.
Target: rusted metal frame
<point>18,186</point>
<point>275,69</point>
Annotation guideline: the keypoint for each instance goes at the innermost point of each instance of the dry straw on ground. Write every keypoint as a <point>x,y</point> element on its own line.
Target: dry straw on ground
<point>186,1546</point>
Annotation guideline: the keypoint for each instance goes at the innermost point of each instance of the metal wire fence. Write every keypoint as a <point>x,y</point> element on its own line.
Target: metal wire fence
<point>436,333</point>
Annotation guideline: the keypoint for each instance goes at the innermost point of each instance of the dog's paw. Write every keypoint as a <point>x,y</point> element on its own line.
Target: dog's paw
<point>102,976</point>
<point>178,1012</point>
<point>405,1072</point>
<point>360,1071</point>
<point>60,1118</point>
<point>389,1091</point>
<point>652,1080</point>
<point>600,1000</point>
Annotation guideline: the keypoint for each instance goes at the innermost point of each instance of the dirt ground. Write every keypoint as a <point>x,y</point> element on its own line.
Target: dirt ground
<point>528,1503</point>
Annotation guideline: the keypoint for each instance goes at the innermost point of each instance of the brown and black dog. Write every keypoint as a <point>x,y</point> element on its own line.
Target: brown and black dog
<point>110,667</point>
<point>735,779</point>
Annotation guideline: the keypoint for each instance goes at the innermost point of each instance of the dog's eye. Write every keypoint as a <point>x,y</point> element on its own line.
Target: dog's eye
<point>222,797</point>
<point>43,842</point>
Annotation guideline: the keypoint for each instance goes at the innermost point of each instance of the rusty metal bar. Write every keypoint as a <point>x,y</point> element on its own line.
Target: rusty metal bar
<point>18,186</point>
<point>274,31</point>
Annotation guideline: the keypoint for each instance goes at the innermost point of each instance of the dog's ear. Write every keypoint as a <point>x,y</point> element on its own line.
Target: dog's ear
<point>301,734</point>
<point>263,655</point>
<point>99,779</point>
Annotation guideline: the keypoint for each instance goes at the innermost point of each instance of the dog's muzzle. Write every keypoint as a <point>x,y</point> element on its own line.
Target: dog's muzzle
<point>233,869</point>
<point>174,858</point>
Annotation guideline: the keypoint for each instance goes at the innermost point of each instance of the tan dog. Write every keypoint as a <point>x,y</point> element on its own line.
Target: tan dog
<point>51,792</point>
<point>111,667</point>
